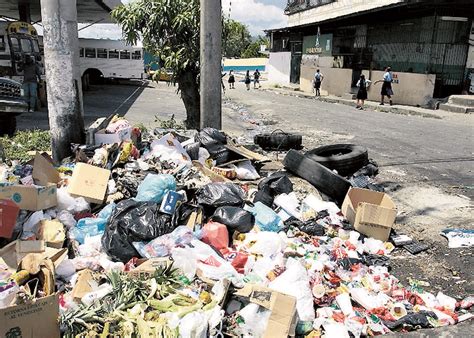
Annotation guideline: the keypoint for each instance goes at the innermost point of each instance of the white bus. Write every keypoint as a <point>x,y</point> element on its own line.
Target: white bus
<point>109,59</point>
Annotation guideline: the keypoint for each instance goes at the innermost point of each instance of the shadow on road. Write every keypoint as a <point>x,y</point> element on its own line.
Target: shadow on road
<point>99,101</point>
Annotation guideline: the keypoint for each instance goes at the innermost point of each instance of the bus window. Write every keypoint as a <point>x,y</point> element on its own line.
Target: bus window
<point>15,44</point>
<point>2,44</point>
<point>90,53</point>
<point>26,46</point>
<point>81,52</point>
<point>102,53</point>
<point>125,54</point>
<point>137,55</point>
<point>113,54</point>
<point>36,46</point>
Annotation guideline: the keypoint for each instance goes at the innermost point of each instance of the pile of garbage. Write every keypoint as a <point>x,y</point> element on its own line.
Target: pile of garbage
<point>188,235</point>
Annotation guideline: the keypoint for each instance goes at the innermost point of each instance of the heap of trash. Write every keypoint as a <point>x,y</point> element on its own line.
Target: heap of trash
<point>189,234</point>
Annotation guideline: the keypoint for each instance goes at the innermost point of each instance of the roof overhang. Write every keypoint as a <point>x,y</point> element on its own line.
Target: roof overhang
<point>87,10</point>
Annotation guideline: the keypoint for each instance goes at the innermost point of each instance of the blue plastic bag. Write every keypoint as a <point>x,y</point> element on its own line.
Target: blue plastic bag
<point>154,188</point>
<point>89,227</point>
<point>265,218</point>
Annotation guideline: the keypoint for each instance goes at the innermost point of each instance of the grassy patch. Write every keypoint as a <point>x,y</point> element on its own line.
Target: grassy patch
<point>17,147</point>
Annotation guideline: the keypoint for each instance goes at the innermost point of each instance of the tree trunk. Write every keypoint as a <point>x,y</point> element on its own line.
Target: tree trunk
<point>189,87</point>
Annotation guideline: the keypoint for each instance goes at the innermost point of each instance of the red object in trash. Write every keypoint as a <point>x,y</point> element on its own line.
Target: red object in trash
<point>236,258</point>
<point>216,234</point>
<point>8,214</point>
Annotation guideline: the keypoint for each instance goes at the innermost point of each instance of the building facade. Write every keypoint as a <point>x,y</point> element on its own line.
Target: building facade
<point>428,44</point>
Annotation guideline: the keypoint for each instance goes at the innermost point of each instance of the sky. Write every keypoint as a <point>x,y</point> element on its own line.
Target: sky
<point>256,14</point>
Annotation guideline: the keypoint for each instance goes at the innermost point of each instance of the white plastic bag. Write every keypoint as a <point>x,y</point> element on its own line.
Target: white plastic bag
<point>295,282</point>
<point>246,171</point>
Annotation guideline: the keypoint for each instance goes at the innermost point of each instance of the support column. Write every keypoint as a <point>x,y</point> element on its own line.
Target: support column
<point>61,49</point>
<point>211,58</point>
<point>24,10</point>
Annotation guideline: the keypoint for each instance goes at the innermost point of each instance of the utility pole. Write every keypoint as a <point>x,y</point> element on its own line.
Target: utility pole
<point>61,49</point>
<point>211,58</point>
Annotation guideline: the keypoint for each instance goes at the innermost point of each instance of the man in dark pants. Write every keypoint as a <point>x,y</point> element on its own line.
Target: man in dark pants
<point>318,78</point>
<point>31,77</point>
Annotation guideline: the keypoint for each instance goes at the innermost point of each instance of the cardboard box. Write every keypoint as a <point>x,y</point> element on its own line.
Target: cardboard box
<point>147,267</point>
<point>8,214</point>
<point>31,198</point>
<point>85,284</point>
<point>103,138</point>
<point>39,319</point>
<point>282,322</point>
<point>89,182</point>
<point>371,213</point>
<point>44,172</point>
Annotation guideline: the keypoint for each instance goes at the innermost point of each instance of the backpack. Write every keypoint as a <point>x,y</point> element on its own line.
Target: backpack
<point>317,76</point>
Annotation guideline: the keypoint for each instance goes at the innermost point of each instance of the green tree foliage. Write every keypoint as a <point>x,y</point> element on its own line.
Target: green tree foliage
<point>253,50</point>
<point>169,29</point>
<point>235,38</point>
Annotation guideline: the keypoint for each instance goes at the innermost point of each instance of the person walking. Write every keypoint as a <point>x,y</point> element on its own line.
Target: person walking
<point>386,86</point>
<point>318,79</point>
<point>247,80</point>
<point>256,79</point>
<point>31,77</point>
<point>231,80</point>
<point>363,84</point>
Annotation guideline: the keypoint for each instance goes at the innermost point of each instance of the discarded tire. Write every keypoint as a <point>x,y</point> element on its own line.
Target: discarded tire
<point>279,141</point>
<point>345,158</point>
<point>321,177</point>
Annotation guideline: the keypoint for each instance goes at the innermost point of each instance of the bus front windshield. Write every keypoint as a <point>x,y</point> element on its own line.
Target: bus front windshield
<point>26,46</point>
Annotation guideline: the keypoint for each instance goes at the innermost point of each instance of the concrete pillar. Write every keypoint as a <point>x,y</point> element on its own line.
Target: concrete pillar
<point>61,50</point>
<point>211,57</point>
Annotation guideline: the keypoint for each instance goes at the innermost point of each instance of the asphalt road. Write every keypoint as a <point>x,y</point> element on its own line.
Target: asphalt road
<point>436,151</point>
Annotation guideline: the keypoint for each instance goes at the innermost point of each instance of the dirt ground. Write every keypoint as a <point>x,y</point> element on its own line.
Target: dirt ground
<point>423,209</point>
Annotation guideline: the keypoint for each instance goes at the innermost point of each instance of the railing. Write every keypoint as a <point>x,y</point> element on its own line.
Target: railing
<point>295,6</point>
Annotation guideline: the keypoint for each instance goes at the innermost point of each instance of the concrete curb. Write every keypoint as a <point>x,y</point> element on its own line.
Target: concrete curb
<point>396,109</point>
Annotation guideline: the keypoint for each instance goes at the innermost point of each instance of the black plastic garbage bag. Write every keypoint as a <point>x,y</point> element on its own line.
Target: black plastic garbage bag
<point>271,186</point>
<point>215,195</point>
<point>235,218</point>
<point>418,319</point>
<point>310,227</point>
<point>193,150</point>
<point>209,136</point>
<point>214,140</point>
<point>134,221</point>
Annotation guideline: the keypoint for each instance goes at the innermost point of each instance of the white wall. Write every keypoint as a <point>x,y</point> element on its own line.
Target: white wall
<point>470,53</point>
<point>336,9</point>
<point>278,68</point>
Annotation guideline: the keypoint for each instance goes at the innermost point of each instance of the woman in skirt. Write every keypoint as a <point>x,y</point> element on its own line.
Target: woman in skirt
<point>386,86</point>
<point>363,84</point>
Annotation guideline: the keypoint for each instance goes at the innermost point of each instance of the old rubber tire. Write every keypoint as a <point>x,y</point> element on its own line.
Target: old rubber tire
<point>279,141</point>
<point>325,180</point>
<point>345,158</point>
<point>8,126</point>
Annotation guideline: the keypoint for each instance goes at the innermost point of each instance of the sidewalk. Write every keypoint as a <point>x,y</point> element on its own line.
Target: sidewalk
<point>395,109</point>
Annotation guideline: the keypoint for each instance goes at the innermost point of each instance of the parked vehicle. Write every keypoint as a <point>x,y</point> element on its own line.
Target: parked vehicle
<point>12,104</point>
<point>109,59</point>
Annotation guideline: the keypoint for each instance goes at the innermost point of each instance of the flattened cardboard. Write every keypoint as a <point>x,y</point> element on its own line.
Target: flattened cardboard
<point>283,307</point>
<point>39,319</point>
<point>215,178</point>
<point>371,213</point>
<point>147,267</point>
<point>247,153</point>
<point>31,198</point>
<point>89,182</point>
<point>43,171</point>
<point>8,215</point>
<point>83,285</point>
